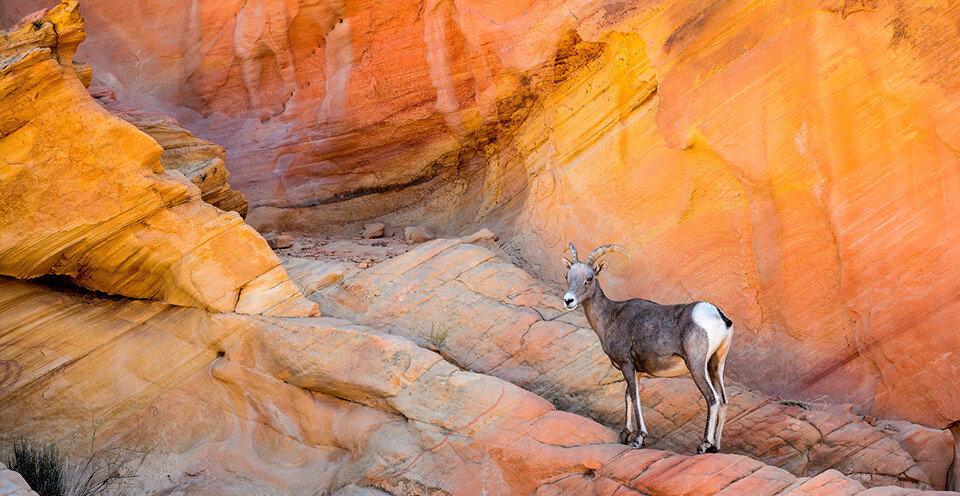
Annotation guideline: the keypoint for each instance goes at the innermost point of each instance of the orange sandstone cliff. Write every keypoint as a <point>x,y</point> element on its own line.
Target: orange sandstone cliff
<point>84,194</point>
<point>791,161</point>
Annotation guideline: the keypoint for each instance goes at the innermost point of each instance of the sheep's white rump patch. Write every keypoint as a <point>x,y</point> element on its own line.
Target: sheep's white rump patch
<point>708,318</point>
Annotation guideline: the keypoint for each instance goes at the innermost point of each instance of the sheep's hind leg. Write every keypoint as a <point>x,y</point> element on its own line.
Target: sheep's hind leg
<point>698,369</point>
<point>715,369</point>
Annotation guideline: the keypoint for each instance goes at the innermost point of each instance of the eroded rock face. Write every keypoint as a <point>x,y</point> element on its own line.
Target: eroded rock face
<point>497,320</point>
<point>240,405</point>
<point>83,194</point>
<point>763,177</point>
<point>791,161</point>
<point>201,161</point>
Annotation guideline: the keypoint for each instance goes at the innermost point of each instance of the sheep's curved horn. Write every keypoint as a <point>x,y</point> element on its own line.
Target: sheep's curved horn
<point>573,252</point>
<point>603,250</point>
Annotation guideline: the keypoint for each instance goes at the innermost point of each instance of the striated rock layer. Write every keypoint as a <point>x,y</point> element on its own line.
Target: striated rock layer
<point>792,161</point>
<point>240,405</point>
<point>495,319</point>
<point>794,166</point>
<point>201,161</point>
<point>83,194</point>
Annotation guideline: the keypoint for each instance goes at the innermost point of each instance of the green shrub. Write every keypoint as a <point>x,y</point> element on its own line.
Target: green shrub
<point>438,334</point>
<point>41,467</point>
<point>49,473</point>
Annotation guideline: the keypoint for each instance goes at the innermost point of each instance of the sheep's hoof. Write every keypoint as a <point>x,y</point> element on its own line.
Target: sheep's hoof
<point>637,444</point>
<point>626,437</point>
<point>707,447</point>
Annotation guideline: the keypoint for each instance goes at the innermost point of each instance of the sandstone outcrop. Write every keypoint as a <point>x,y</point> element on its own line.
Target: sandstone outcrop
<point>242,404</point>
<point>791,161</point>
<point>83,194</point>
<point>201,161</point>
<point>374,230</point>
<point>12,483</point>
<point>416,234</point>
<point>498,320</point>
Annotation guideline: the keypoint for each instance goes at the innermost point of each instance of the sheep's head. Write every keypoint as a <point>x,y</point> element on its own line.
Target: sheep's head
<point>582,276</point>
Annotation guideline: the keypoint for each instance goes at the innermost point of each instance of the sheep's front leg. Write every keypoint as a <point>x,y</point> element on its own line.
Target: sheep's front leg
<point>626,435</point>
<point>630,435</point>
<point>636,395</point>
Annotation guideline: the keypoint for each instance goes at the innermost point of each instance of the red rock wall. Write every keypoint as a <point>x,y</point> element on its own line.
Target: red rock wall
<point>791,161</point>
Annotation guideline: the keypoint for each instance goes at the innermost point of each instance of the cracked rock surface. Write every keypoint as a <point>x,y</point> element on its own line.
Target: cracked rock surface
<point>239,405</point>
<point>793,161</point>
<point>501,321</point>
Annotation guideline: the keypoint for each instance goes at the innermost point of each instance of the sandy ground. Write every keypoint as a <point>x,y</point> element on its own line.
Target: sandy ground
<point>345,247</point>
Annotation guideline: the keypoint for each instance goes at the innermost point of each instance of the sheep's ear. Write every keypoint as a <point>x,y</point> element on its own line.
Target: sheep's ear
<point>566,263</point>
<point>599,267</point>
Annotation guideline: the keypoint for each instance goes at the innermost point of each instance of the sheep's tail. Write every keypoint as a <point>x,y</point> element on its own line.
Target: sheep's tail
<point>725,319</point>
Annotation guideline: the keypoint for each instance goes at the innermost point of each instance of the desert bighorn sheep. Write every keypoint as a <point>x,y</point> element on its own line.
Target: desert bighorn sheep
<point>643,337</point>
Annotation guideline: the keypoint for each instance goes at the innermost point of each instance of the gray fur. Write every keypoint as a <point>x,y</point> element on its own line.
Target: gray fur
<point>643,337</point>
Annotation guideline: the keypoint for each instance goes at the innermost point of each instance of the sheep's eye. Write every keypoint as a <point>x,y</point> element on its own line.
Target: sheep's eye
<point>588,281</point>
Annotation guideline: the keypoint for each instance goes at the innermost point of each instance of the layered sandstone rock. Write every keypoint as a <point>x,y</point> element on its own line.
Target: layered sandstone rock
<point>766,177</point>
<point>83,194</point>
<point>791,161</point>
<point>930,448</point>
<point>257,405</point>
<point>498,320</point>
<point>201,161</point>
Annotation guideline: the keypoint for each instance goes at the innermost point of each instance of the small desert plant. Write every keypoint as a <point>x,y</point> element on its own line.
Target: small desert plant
<point>49,473</point>
<point>41,466</point>
<point>104,468</point>
<point>801,404</point>
<point>438,335</point>
<point>818,403</point>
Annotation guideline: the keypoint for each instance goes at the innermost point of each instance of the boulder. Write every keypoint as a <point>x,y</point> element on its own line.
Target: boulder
<point>416,234</point>
<point>278,241</point>
<point>374,230</point>
<point>930,448</point>
<point>12,483</point>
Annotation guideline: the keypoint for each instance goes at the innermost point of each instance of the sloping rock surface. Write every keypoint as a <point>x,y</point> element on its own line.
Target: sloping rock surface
<point>241,405</point>
<point>497,320</point>
<point>83,194</point>
<point>201,161</point>
<point>793,161</point>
